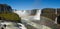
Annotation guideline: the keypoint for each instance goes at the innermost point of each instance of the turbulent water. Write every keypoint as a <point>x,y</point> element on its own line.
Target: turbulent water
<point>11,25</point>
<point>28,14</point>
<point>34,20</point>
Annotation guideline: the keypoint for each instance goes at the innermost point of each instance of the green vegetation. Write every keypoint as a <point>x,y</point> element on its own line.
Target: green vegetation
<point>6,13</point>
<point>10,16</point>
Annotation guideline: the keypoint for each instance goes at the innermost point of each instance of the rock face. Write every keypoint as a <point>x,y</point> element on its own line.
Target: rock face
<point>4,8</point>
<point>51,13</point>
<point>34,11</point>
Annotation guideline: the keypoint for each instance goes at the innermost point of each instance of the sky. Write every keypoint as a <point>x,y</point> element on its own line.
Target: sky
<point>31,4</point>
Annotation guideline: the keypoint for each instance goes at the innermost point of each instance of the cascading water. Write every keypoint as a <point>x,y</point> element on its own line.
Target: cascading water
<point>37,16</point>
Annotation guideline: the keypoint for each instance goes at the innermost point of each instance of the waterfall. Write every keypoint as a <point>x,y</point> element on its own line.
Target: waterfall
<point>56,17</point>
<point>37,16</point>
<point>27,13</point>
<point>56,20</point>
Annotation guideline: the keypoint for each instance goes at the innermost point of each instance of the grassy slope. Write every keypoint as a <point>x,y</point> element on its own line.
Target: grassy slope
<point>10,16</point>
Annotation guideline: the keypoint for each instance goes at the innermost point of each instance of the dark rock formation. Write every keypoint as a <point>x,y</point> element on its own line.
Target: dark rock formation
<point>34,11</point>
<point>4,8</point>
<point>51,13</point>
